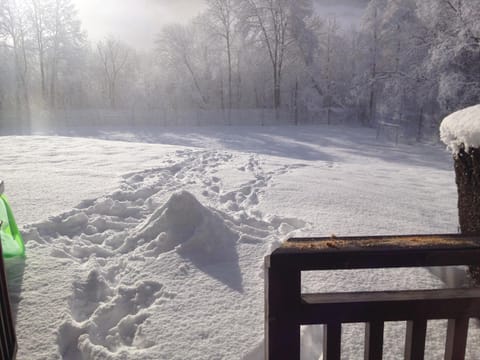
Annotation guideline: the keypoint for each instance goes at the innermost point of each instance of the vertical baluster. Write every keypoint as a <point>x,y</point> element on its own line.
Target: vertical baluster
<point>332,337</point>
<point>457,331</point>
<point>282,299</point>
<point>415,339</point>
<point>374,340</point>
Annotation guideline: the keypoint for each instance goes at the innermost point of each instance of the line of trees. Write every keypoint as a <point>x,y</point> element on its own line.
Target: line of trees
<point>409,62</point>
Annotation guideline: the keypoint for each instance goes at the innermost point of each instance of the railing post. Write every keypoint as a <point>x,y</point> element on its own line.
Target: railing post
<point>415,339</point>
<point>457,331</point>
<point>332,341</point>
<point>455,131</point>
<point>374,340</point>
<point>282,300</point>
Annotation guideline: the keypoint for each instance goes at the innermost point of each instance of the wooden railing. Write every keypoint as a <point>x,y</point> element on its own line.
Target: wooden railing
<point>286,308</point>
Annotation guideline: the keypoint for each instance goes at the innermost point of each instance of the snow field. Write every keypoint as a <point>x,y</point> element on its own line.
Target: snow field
<point>164,258</point>
<point>106,236</point>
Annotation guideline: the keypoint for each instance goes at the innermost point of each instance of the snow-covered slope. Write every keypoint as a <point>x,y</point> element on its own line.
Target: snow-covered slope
<point>150,244</point>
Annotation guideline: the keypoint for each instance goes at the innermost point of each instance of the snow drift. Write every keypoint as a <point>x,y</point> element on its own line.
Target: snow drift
<point>188,227</point>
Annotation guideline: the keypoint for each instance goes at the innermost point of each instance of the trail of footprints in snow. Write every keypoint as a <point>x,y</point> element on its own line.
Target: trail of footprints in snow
<point>103,227</point>
<point>107,315</point>
<point>248,194</point>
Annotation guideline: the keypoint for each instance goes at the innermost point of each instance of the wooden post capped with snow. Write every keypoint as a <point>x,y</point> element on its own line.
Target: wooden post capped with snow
<point>460,131</point>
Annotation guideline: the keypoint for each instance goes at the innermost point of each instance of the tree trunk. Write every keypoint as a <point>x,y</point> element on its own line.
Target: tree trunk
<point>372,106</point>
<point>42,78</point>
<point>276,88</point>
<point>467,173</point>
<point>277,96</point>
<point>229,60</point>
<point>53,84</point>
<point>420,125</point>
<point>112,94</point>
<point>295,102</point>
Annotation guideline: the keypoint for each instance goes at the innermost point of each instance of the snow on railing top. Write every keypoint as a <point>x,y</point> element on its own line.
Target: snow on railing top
<point>461,130</point>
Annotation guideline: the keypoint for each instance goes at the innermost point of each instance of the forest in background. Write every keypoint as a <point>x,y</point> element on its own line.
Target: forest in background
<point>409,62</point>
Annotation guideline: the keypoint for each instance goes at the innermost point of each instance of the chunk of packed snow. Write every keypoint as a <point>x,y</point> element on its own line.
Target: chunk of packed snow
<point>461,130</point>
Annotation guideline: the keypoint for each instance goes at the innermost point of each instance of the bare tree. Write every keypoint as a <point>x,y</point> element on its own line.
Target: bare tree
<point>269,20</point>
<point>56,34</point>
<point>114,57</point>
<point>177,47</point>
<point>222,22</point>
<point>14,30</point>
<point>39,22</point>
<point>372,111</point>
<point>66,37</point>
<point>332,28</point>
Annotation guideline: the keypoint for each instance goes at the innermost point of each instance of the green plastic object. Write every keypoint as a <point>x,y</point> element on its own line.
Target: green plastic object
<point>12,242</point>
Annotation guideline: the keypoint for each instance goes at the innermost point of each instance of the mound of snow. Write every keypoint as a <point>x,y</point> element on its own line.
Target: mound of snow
<point>188,227</point>
<point>462,129</point>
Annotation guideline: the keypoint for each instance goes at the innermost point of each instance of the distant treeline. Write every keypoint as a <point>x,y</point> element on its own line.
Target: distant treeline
<point>409,62</point>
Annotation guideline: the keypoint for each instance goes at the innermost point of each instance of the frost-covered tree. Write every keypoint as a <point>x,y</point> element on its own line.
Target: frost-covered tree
<point>181,51</point>
<point>39,18</point>
<point>57,35</point>
<point>454,57</point>
<point>371,28</point>
<point>398,43</point>
<point>287,32</point>
<point>116,60</point>
<point>268,22</point>
<point>14,32</point>
<point>405,43</point>
<point>221,20</point>
<point>66,38</point>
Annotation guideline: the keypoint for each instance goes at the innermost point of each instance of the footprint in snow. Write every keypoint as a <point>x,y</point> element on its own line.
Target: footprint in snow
<point>108,319</point>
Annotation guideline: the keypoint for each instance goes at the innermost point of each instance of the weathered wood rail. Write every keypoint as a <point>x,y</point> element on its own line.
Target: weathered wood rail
<point>286,308</point>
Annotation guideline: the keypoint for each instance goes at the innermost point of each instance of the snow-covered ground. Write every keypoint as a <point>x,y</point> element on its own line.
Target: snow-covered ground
<point>149,244</point>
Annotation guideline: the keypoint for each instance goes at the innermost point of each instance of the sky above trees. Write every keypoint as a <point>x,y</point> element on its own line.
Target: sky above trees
<point>136,22</point>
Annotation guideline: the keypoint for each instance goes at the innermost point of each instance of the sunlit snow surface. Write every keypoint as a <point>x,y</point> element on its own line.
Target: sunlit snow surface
<point>149,244</point>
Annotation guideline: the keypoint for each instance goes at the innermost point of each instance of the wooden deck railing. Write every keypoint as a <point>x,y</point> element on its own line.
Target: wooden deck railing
<point>286,308</point>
